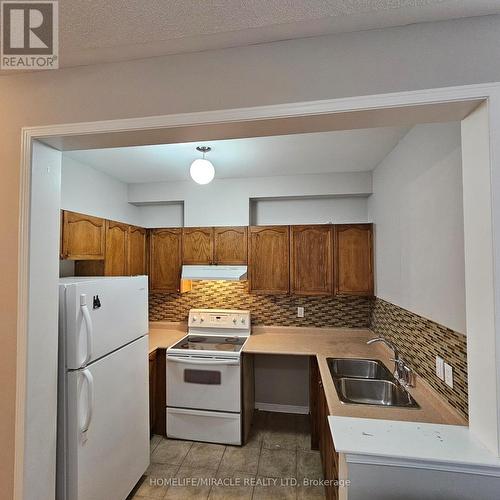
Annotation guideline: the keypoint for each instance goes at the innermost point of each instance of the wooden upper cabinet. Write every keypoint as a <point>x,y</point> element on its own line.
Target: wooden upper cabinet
<point>230,245</point>
<point>83,237</point>
<point>269,259</point>
<point>311,260</point>
<point>165,260</point>
<point>354,259</point>
<point>197,245</point>
<point>136,251</point>
<point>116,262</point>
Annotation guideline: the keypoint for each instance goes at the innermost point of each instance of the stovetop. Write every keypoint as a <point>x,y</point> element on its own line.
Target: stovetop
<point>216,332</point>
<point>210,343</point>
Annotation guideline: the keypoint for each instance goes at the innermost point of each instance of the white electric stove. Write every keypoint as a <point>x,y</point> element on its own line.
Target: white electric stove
<point>204,377</point>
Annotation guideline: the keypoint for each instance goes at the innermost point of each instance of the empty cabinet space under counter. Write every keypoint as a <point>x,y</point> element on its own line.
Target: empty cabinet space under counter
<point>323,343</point>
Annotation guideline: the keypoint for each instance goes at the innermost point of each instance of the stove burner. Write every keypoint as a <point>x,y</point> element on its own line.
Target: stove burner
<point>211,343</point>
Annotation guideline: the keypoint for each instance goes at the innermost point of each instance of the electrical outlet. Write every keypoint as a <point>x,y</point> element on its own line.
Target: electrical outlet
<point>300,312</point>
<point>440,367</point>
<point>448,375</point>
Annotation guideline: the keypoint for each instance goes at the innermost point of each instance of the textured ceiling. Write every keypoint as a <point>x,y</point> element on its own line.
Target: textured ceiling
<point>146,21</point>
<point>109,30</point>
<point>345,151</point>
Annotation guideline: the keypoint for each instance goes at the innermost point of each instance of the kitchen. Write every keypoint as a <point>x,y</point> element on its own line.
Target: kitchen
<point>303,273</point>
<point>170,73</point>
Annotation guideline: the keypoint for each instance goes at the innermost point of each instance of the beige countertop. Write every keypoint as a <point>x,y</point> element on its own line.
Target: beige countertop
<point>325,343</point>
<point>163,334</point>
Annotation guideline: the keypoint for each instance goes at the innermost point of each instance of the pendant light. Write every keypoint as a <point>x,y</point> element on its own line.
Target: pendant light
<point>202,171</point>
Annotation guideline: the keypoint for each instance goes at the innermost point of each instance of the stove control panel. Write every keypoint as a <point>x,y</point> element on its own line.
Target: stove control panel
<point>219,318</point>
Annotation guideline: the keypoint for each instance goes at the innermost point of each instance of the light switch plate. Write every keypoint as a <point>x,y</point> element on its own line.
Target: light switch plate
<point>300,312</point>
<point>448,375</point>
<point>440,367</point>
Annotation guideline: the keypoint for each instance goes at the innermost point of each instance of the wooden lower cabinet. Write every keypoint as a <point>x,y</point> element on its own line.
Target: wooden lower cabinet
<point>157,392</point>
<point>321,437</point>
<point>314,378</point>
<point>152,391</point>
<point>329,456</point>
<point>248,395</point>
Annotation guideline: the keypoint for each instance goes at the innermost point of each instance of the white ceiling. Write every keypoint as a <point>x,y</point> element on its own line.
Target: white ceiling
<point>344,151</point>
<point>94,31</point>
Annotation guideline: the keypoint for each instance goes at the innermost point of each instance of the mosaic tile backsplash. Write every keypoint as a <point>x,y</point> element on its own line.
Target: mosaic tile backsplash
<point>419,341</point>
<point>276,310</point>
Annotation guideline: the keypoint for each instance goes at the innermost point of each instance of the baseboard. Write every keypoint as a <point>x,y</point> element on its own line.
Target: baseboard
<point>302,410</point>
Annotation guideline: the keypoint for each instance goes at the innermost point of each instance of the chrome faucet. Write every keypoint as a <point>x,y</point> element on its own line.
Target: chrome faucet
<point>390,345</point>
<point>402,371</point>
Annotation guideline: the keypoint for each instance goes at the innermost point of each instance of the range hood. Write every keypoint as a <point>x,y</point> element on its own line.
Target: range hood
<point>197,273</point>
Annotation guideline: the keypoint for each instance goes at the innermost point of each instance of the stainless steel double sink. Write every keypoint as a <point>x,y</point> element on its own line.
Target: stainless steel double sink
<point>368,382</point>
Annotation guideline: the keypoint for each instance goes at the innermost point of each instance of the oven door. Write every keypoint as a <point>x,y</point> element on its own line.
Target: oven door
<point>203,383</point>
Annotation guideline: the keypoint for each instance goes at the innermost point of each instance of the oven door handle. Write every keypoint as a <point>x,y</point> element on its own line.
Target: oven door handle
<point>203,413</point>
<point>212,362</point>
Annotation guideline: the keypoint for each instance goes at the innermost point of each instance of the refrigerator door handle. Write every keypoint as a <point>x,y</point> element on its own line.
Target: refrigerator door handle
<point>88,327</point>
<point>90,402</point>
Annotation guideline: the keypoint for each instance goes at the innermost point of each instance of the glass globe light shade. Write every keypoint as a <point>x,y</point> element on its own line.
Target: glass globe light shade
<point>202,171</point>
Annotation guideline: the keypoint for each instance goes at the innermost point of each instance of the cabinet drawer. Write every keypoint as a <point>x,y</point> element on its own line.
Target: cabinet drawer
<point>208,426</point>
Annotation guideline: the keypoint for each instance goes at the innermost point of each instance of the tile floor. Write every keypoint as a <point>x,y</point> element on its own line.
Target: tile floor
<point>279,448</point>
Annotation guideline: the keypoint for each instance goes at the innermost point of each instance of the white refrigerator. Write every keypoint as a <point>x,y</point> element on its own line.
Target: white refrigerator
<point>103,387</point>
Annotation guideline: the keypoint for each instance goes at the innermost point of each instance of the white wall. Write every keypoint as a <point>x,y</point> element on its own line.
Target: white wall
<point>41,382</point>
<point>417,209</point>
<point>86,190</point>
<point>89,191</point>
<point>224,202</point>
<point>342,210</point>
<point>483,356</point>
<point>227,201</point>
<point>167,215</point>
